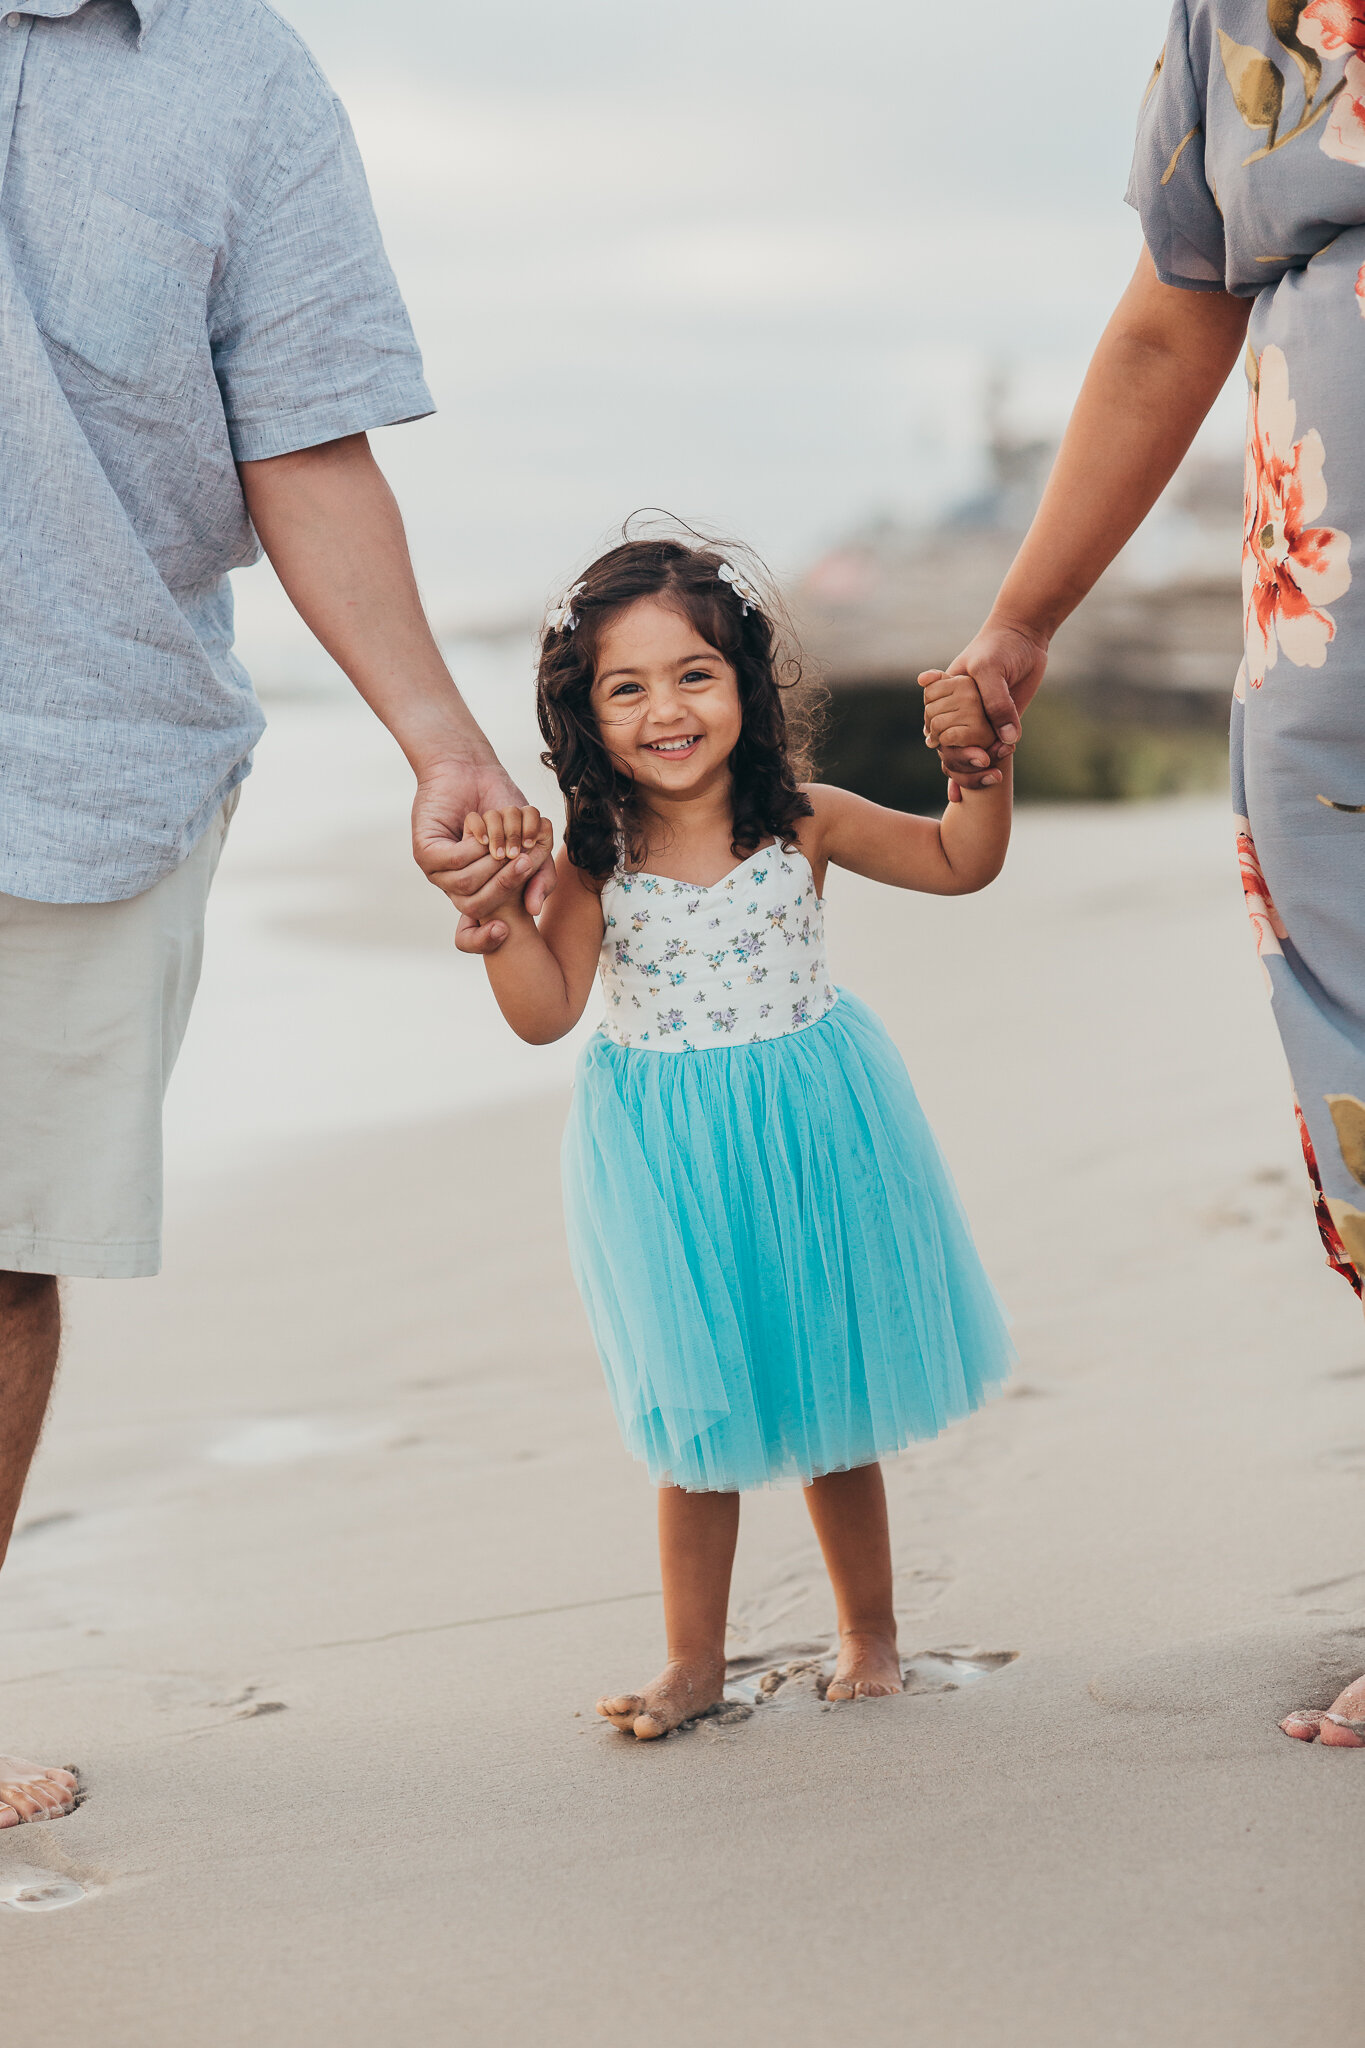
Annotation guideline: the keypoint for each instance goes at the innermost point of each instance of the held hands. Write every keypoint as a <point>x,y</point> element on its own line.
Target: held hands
<point>1006,662</point>
<point>956,724</point>
<point>504,856</point>
<point>448,792</point>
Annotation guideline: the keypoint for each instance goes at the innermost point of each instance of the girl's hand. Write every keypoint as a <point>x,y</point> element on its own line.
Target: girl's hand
<point>954,718</point>
<point>507,833</point>
<point>499,854</point>
<point>1006,661</point>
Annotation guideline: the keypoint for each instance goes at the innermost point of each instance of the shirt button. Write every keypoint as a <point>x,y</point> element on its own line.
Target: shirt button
<point>13,20</point>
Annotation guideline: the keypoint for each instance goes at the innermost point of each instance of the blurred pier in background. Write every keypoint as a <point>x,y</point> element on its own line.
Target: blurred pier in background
<point>1139,679</point>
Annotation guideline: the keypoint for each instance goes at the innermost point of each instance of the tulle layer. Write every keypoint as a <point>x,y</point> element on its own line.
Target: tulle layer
<point>774,1259</point>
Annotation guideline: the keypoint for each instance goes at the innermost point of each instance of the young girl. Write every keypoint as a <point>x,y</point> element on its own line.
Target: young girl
<point>773,1259</point>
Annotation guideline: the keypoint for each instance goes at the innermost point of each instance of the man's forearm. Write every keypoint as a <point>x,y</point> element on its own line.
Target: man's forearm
<point>1162,361</point>
<point>332,529</point>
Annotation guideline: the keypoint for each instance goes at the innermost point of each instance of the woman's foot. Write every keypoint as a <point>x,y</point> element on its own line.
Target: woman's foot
<point>682,1690</point>
<point>869,1667</point>
<point>32,1792</point>
<point>1342,1726</point>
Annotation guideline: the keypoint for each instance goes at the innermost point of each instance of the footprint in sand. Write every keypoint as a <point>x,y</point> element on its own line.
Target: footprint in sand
<point>1347,1458</point>
<point>25,1889</point>
<point>286,1440</point>
<point>802,1683</point>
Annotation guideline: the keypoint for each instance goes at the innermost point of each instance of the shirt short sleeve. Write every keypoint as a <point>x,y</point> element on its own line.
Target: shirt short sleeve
<point>310,336</point>
<point>1181,223</point>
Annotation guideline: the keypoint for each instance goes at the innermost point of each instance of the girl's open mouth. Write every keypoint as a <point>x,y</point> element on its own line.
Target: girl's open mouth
<point>674,750</point>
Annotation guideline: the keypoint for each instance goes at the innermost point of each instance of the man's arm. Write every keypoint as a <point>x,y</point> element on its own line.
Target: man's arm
<point>332,529</point>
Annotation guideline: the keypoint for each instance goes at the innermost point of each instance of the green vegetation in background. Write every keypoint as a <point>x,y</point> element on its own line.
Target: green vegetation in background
<point>872,741</point>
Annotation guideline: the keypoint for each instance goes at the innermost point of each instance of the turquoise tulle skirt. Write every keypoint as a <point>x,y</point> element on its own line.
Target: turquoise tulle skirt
<point>774,1260</point>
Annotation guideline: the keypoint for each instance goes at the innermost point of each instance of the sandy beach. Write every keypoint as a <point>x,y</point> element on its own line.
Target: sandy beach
<point>332,1545</point>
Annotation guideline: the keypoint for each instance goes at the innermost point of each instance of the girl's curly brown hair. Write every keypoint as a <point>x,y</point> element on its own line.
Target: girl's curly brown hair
<point>770,760</point>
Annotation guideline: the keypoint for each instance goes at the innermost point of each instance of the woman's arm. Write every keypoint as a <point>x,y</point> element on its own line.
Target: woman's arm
<point>542,975</point>
<point>1161,362</point>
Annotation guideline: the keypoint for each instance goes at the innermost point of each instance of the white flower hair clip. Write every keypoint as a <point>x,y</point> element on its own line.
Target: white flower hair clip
<point>743,589</point>
<point>562,619</point>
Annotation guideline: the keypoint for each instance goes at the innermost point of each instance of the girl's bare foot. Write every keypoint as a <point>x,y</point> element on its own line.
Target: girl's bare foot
<point>869,1667</point>
<point>1341,1727</point>
<point>684,1688</point>
<point>32,1792</point>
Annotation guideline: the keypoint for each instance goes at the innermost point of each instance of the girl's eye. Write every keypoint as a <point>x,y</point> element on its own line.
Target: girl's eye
<point>699,675</point>
<point>626,690</point>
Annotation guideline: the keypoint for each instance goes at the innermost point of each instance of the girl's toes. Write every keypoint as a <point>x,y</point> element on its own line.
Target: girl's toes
<point>622,1710</point>
<point>649,1727</point>
<point>8,1817</point>
<point>1303,1724</point>
<point>1337,1733</point>
<point>839,1689</point>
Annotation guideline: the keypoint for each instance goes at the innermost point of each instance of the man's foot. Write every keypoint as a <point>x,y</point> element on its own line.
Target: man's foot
<point>1342,1726</point>
<point>31,1792</point>
<point>681,1691</point>
<point>869,1668</point>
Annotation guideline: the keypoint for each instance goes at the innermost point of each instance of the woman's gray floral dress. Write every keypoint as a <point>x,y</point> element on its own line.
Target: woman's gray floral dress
<point>1250,178</point>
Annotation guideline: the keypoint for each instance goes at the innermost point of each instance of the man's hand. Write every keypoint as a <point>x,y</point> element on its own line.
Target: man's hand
<point>475,880</point>
<point>328,522</point>
<point>1006,662</point>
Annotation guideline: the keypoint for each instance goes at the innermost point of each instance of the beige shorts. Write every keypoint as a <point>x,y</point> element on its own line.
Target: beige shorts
<point>94,1000</point>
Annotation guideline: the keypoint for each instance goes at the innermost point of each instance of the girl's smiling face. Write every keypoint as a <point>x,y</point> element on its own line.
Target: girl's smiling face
<point>666,704</point>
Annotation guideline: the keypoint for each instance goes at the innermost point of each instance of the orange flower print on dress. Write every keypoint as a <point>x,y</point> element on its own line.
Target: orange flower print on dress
<point>1338,1258</point>
<point>1267,925</point>
<point>1333,26</point>
<point>1291,569</point>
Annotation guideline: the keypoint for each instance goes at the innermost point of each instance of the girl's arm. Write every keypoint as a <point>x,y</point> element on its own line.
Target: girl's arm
<point>949,856</point>
<point>542,974</point>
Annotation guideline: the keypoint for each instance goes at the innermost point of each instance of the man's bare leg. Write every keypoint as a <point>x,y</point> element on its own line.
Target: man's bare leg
<point>30,1334</point>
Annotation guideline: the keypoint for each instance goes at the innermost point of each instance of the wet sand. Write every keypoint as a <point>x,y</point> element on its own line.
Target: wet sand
<point>332,1546</point>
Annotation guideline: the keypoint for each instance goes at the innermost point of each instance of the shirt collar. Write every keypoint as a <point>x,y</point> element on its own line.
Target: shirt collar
<point>57,10</point>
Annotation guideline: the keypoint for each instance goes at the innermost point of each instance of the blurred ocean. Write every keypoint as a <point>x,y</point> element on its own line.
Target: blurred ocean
<point>333,998</point>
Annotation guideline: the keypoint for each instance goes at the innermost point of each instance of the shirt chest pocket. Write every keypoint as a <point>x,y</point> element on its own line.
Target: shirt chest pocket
<point>128,302</point>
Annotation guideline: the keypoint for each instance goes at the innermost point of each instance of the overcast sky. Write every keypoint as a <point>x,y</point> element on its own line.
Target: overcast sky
<point>750,260</point>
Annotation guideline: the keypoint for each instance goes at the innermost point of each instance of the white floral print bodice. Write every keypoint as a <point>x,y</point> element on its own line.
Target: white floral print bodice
<point>685,967</point>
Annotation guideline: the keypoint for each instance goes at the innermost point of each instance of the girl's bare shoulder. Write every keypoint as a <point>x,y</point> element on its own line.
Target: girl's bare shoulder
<point>828,807</point>
<point>579,878</point>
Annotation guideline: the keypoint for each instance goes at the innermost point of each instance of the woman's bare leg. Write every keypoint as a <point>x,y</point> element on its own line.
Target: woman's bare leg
<point>849,1513</point>
<point>697,1533</point>
<point>1340,1726</point>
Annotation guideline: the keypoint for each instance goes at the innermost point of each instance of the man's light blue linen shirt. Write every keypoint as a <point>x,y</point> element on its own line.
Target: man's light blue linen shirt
<point>191,275</point>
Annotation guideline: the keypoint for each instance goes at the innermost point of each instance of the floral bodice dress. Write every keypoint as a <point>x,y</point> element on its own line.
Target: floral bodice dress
<point>684,967</point>
<point>1250,177</point>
